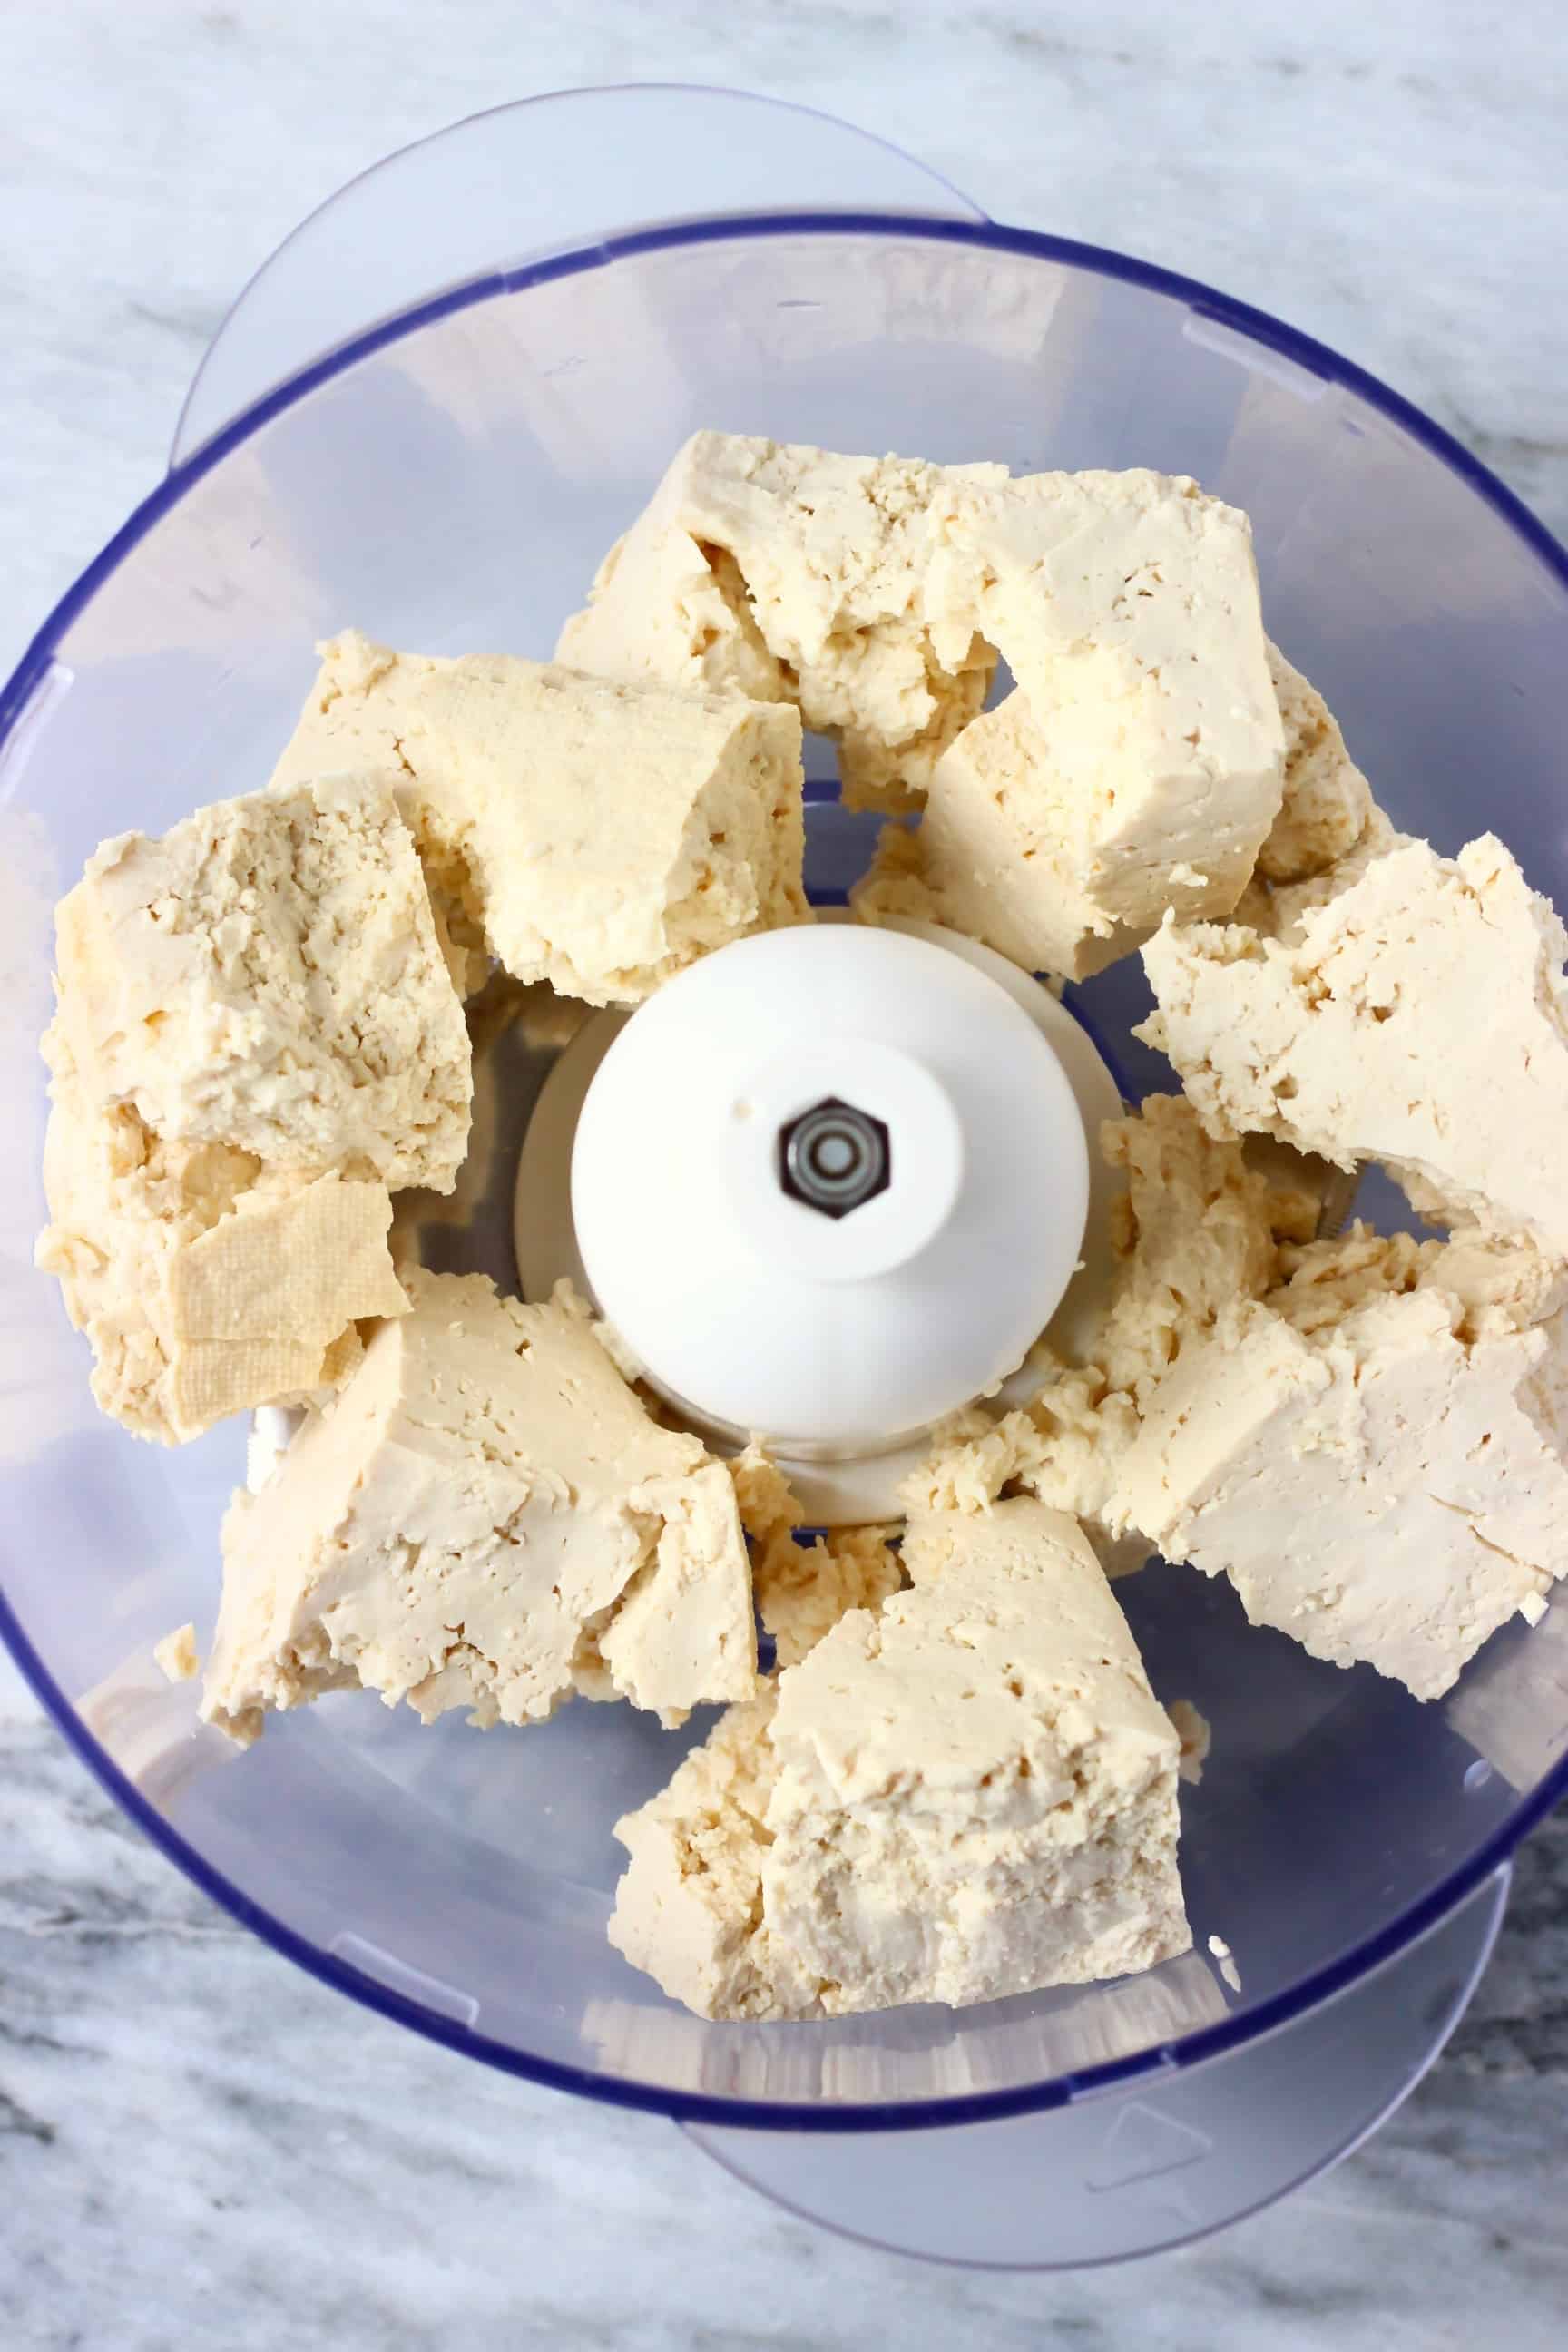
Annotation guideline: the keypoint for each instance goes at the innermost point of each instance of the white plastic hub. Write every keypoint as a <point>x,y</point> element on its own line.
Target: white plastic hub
<point>831,1335</point>
<point>837,1490</point>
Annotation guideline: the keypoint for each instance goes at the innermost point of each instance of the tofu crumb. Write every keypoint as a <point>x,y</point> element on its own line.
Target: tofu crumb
<point>1196,1736</point>
<point>176,1655</point>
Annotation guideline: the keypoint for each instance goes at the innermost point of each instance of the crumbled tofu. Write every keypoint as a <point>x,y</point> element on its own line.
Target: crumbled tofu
<point>1138,766</point>
<point>1329,829</point>
<point>268,976</point>
<point>1281,911</point>
<point>689,1908</point>
<point>970,1794</point>
<point>204,1286</point>
<point>1497,1286</point>
<point>1195,1733</point>
<point>1064,1446</point>
<point>1323,1282</point>
<point>600,836</point>
<point>486,1494</point>
<point>803,1590</point>
<point>1195,1233</point>
<point>1326,804</point>
<point>893,888</point>
<point>1374,1483</point>
<point>792,573</point>
<point>1363,1040</point>
<point>175,1654</point>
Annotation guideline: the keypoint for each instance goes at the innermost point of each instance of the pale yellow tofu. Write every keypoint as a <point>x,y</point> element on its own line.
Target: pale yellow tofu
<point>1374,1453</point>
<point>598,836</point>
<point>267,976</point>
<point>797,574</point>
<point>967,1793</point>
<point>1139,763</point>
<point>483,1517</point>
<point>1416,1018</point>
<point>205,1288</point>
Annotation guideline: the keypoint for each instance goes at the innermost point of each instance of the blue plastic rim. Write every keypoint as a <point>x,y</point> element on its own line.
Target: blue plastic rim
<point>1321,1984</point>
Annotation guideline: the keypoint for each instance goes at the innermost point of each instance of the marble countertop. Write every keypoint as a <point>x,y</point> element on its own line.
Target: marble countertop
<point>194,2137</point>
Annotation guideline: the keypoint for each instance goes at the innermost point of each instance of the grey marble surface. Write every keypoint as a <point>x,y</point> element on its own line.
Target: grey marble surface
<point>192,2138</point>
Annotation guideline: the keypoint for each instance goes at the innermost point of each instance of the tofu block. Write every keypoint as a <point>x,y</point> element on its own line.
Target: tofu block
<point>803,1590</point>
<point>600,836</point>
<point>969,1794</point>
<point>486,1504</point>
<point>267,976</point>
<point>669,607</point>
<point>996,857</point>
<point>790,573</point>
<point>1372,1455</point>
<point>204,1287</point>
<point>1418,1021</point>
<point>1139,764</point>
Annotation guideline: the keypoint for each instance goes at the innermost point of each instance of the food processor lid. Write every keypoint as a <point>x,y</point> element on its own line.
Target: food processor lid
<point>494,191</point>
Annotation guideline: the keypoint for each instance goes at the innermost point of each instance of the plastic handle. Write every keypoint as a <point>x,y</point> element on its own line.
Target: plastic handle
<point>541,175</point>
<point>1167,2159</point>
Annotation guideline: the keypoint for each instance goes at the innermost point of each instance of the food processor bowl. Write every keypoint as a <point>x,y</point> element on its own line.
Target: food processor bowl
<point>447,478</point>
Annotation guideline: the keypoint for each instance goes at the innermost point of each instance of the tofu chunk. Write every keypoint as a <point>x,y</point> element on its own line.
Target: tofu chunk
<point>204,1287</point>
<point>1139,764</point>
<point>600,836</point>
<point>689,1908</point>
<point>1419,1020</point>
<point>1373,1453</point>
<point>485,1504</point>
<point>780,570</point>
<point>968,1794</point>
<point>267,977</point>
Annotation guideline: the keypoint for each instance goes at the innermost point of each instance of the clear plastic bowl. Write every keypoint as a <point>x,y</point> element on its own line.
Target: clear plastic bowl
<point>449,482</point>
